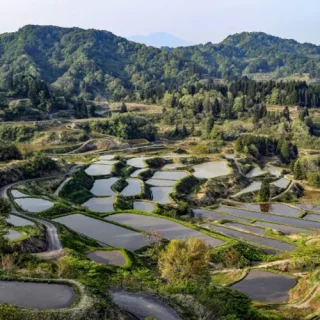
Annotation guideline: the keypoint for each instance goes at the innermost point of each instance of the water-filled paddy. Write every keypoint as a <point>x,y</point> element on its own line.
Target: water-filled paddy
<point>136,173</point>
<point>167,229</point>
<point>99,170</point>
<point>103,187</point>
<point>211,170</point>
<point>275,171</point>
<point>36,295</point>
<point>13,235</point>
<point>18,194</point>
<point>104,232</point>
<point>271,217</point>
<point>170,175</point>
<point>279,245</point>
<point>34,204</point>
<point>243,227</point>
<point>212,215</point>
<point>310,207</point>
<point>313,217</point>
<point>106,162</point>
<point>255,172</point>
<point>276,208</point>
<point>266,286</point>
<point>282,228</point>
<point>107,157</point>
<point>19,222</point>
<point>281,183</point>
<point>144,206</point>
<point>171,166</point>
<point>161,194</point>
<point>138,162</point>
<point>133,188</point>
<point>253,187</point>
<point>161,183</point>
<point>100,204</point>
<point>107,257</point>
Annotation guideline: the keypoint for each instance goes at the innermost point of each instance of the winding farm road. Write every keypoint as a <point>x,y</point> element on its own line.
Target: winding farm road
<point>142,306</point>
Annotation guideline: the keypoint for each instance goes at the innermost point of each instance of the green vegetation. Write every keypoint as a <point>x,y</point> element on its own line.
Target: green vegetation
<point>119,185</point>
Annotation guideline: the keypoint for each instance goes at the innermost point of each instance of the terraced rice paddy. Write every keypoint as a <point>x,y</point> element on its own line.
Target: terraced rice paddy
<point>138,162</point>
<point>167,229</point>
<point>309,207</point>
<point>34,204</point>
<point>271,218</point>
<point>161,194</point>
<point>99,170</point>
<point>102,188</point>
<point>276,208</point>
<point>104,232</point>
<point>107,157</point>
<point>268,242</point>
<point>171,166</point>
<point>313,217</point>
<point>36,295</point>
<point>211,170</point>
<point>281,183</point>
<point>215,216</point>
<point>100,204</point>
<point>115,258</point>
<point>144,206</point>
<point>243,227</point>
<point>282,228</point>
<point>170,175</point>
<point>133,188</point>
<point>13,235</point>
<point>275,171</point>
<point>18,222</point>
<point>255,172</point>
<point>266,286</point>
<point>18,194</point>
<point>161,183</point>
<point>136,173</point>
<point>107,162</point>
<point>253,187</point>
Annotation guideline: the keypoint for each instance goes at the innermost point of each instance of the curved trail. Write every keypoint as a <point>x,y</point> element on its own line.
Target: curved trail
<point>142,305</point>
<point>54,244</point>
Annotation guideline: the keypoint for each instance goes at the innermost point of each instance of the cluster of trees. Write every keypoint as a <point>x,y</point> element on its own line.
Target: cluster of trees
<point>9,152</point>
<point>265,146</point>
<point>308,168</point>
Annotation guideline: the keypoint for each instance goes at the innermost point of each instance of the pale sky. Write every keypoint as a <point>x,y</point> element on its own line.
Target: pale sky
<point>198,21</point>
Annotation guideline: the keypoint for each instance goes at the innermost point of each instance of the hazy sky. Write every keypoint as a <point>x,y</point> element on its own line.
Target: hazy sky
<point>193,20</point>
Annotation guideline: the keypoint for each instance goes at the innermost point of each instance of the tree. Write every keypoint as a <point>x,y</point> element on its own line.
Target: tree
<point>298,172</point>
<point>209,124</point>
<point>185,260</point>
<point>286,113</point>
<point>264,194</point>
<point>5,209</point>
<point>124,108</point>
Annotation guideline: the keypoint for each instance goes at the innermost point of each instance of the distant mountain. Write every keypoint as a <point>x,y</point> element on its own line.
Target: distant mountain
<point>93,63</point>
<point>160,39</point>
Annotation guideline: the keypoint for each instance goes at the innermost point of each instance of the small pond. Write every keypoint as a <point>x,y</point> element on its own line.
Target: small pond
<point>104,232</point>
<point>99,170</point>
<point>279,245</point>
<point>19,222</point>
<point>144,206</point>
<point>170,175</point>
<point>36,295</point>
<point>34,204</point>
<point>166,228</point>
<point>133,188</point>
<point>115,258</point>
<point>211,170</point>
<point>276,208</point>
<point>100,204</point>
<point>266,286</point>
<point>103,187</point>
<point>161,183</point>
<point>161,194</point>
<point>246,228</point>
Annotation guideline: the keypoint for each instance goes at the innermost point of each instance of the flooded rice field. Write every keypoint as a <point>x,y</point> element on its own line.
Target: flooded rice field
<point>167,229</point>
<point>34,204</point>
<point>243,227</point>
<point>133,188</point>
<point>107,157</point>
<point>19,222</point>
<point>36,295</point>
<point>18,194</point>
<point>266,286</point>
<point>161,194</point>
<point>144,206</point>
<point>282,228</point>
<point>136,173</point>
<point>100,204</point>
<point>138,162</point>
<point>215,216</point>
<point>281,183</point>
<point>255,172</point>
<point>13,235</point>
<point>275,171</point>
<point>172,166</point>
<point>279,245</point>
<point>104,232</point>
<point>310,207</point>
<point>253,187</point>
<point>271,218</point>
<point>211,170</point>
<point>276,208</point>
<point>161,183</point>
<point>170,175</point>
<point>99,170</point>
<point>103,187</point>
<point>313,217</point>
<point>115,258</point>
